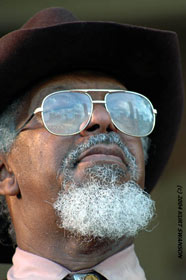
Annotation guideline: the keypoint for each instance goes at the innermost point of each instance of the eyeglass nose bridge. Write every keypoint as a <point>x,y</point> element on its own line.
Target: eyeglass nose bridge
<point>98,101</point>
<point>101,102</point>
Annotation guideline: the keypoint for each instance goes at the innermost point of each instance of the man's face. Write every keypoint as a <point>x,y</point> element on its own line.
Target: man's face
<point>43,165</point>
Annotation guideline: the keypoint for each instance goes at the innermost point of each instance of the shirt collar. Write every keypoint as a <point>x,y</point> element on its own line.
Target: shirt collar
<point>28,266</point>
<point>124,264</point>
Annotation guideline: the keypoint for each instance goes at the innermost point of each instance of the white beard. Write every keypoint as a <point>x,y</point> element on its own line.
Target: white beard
<point>104,207</point>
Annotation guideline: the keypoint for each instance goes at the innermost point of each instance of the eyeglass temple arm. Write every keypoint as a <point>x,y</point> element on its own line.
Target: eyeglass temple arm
<point>37,110</point>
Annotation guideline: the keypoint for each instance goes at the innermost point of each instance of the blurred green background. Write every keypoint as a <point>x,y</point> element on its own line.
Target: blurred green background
<point>157,250</point>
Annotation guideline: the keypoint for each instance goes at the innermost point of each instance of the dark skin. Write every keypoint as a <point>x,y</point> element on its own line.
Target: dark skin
<point>28,176</point>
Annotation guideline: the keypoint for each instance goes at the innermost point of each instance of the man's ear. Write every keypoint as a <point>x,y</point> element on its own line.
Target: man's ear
<point>8,182</point>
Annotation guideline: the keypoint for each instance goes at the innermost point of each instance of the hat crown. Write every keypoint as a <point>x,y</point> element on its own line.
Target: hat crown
<point>49,17</point>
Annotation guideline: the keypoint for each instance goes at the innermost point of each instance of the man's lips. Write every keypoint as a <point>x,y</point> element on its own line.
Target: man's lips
<point>110,153</point>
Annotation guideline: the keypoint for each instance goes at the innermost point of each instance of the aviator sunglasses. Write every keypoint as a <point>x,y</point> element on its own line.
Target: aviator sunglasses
<point>68,112</point>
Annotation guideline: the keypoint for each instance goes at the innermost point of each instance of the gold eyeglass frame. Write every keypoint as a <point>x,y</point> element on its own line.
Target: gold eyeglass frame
<point>85,91</point>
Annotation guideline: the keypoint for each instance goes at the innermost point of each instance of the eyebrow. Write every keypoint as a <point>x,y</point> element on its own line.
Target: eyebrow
<point>51,88</point>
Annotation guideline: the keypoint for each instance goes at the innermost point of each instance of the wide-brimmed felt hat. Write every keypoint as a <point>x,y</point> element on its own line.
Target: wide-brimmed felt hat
<point>146,60</point>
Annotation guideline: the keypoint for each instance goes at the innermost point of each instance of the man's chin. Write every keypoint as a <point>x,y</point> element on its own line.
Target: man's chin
<point>94,243</point>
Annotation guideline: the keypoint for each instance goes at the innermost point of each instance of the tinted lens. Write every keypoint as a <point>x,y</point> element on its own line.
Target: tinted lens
<point>66,113</point>
<point>131,113</point>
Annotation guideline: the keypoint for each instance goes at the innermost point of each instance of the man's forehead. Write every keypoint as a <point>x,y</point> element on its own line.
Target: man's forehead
<point>73,80</point>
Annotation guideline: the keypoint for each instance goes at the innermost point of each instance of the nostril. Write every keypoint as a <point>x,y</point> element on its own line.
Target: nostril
<point>109,129</point>
<point>93,127</point>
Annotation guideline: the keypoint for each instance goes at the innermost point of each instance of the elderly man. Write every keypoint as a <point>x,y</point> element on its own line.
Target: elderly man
<point>76,124</point>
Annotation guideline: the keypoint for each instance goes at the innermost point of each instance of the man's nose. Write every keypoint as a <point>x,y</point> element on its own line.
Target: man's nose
<point>100,122</point>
